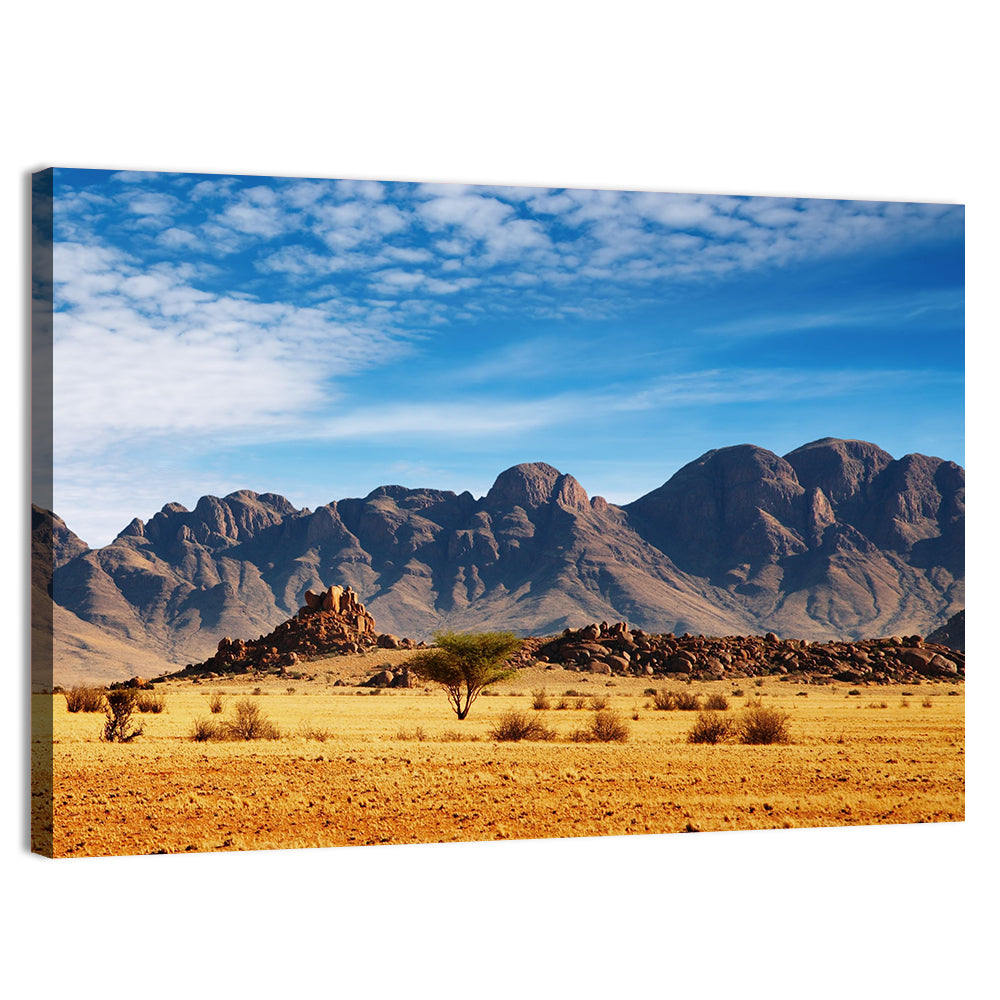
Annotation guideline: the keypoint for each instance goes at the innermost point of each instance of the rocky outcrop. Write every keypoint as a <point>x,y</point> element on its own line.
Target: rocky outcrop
<point>333,622</point>
<point>617,649</point>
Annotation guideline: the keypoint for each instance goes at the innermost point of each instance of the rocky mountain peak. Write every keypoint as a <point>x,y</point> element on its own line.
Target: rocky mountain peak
<point>535,484</point>
<point>842,469</point>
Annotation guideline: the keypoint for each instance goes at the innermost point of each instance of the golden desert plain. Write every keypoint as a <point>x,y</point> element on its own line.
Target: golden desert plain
<point>352,765</point>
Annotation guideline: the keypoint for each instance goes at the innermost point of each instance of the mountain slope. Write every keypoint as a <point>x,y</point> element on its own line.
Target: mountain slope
<point>836,539</point>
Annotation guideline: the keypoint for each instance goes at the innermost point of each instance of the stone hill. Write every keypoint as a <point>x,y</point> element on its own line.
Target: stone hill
<point>333,622</point>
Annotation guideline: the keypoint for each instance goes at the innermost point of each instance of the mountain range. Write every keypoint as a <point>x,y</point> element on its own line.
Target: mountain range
<point>837,539</point>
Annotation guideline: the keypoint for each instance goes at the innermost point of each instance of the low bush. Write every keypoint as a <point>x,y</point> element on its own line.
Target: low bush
<point>562,704</point>
<point>151,702</point>
<point>716,702</point>
<point>758,725</point>
<point>250,723</point>
<point>927,703</point>
<point>598,702</point>
<point>853,692</point>
<point>710,727</point>
<point>514,725</point>
<point>417,734</point>
<point>738,692</point>
<point>310,732</point>
<point>540,700</point>
<point>205,729</point>
<point>579,703</point>
<point>118,727</point>
<point>216,703</point>
<point>606,726</point>
<point>84,699</point>
<point>669,701</point>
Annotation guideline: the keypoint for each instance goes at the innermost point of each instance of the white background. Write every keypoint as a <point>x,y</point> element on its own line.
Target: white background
<point>877,100</point>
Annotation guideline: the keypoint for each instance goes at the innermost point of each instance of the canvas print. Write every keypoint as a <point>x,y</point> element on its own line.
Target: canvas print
<point>380,512</point>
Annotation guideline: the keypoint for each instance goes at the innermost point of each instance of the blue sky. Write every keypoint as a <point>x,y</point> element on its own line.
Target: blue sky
<point>320,338</point>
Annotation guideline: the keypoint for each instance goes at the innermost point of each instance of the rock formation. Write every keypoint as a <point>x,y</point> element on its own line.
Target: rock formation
<point>617,649</point>
<point>333,622</point>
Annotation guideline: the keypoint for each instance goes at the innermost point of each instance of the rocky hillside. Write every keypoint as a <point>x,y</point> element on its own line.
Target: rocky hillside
<point>836,540</point>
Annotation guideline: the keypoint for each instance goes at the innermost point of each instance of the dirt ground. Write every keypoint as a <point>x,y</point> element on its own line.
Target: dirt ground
<point>353,767</point>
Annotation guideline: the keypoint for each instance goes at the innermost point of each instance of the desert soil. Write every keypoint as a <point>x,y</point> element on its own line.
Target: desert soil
<point>352,767</point>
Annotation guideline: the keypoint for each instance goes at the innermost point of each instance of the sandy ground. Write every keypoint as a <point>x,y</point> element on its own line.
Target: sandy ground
<point>397,767</point>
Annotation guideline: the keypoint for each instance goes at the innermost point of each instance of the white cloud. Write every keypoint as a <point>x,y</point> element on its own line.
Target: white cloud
<point>142,354</point>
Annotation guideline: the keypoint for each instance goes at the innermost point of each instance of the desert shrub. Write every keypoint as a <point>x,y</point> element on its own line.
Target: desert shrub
<point>759,682</point>
<point>216,703</point>
<point>310,732</point>
<point>118,727</point>
<point>716,702</point>
<point>649,691</point>
<point>738,692</point>
<point>927,703</point>
<point>758,725</point>
<point>852,692</point>
<point>579,703</point>
<point>801,694</point>
<point>664,701</point>
<point>710,727</point>
<point>571,693</point>
<point>84,699</point>
<point>151,702</point>
<point>598,703</point>
<point>668,701</point>
<point>374,692</point>
<point>250,723</point>
<point>606,726</point>
<point>290,690</point>
<point>514,725</point>
<point>904,704</point>
<point>205,729</point>
<point>562,704</point>
<point>907,694</point>
<point>609,727</point>
<point>540,700</point>
<point>417,734</point>
<point>257,691</point>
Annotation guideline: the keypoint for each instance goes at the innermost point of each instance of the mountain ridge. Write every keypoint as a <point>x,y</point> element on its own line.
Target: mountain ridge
<point>835,539</point>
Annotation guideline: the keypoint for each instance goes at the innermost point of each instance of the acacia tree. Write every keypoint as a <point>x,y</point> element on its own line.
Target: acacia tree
<point>465,664</point>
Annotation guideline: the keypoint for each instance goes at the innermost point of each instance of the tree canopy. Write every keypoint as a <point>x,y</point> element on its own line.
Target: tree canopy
<point>465,664</point>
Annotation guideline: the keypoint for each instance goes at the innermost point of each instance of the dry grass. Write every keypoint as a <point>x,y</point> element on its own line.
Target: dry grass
<point>84,698</point>
<point>848,765</point>
<point>514,725</point>
<point>150,702</point>
<point>710,727</point>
